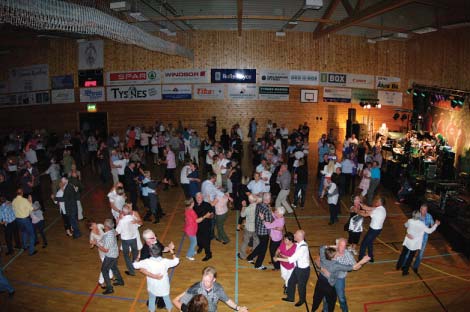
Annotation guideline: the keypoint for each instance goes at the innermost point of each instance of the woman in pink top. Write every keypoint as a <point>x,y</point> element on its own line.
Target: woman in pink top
<point>190,227</point>
<point>286,249</point>
<point>275,234</point>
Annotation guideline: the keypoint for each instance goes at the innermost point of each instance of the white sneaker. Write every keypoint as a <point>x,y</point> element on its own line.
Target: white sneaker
<point>190,258</point>
<point>354,252</point>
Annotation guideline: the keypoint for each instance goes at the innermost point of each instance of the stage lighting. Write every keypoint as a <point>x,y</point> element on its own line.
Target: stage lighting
<point>379,105</point>
<point>409,91</point>
<point>423,94</point>
<point>396,116</point>
<point>415,94</point>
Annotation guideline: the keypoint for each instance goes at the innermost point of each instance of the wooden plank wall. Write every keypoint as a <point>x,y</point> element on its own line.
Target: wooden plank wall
<point>436,59</point>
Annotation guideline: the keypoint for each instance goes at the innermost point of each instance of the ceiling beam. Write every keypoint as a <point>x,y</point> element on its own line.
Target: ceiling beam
<point>359,5</point>
<point>363,15</point>
<point>328,12</point>
<point>239,16</point>
<point>347,6</point>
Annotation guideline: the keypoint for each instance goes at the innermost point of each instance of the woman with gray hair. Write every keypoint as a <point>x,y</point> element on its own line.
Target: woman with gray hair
<point>413,240</point>
<point>275,234</point>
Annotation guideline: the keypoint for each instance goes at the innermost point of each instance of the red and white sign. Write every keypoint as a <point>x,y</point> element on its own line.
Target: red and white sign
<point>133,77</point>
<point>209,92</point>
<point>186,76</point>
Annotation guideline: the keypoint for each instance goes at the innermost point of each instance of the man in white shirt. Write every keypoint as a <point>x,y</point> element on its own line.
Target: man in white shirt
<point>128,228</point>
<point>301,273</point>
<point>223,165</point>
<point>184,181</point>
<point>377,215</point>
<point>257,186</point>
<point>117,200</point>
<point>209,191</point>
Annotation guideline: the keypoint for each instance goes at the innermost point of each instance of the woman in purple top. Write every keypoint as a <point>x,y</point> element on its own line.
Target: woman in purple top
<point>275,234</point>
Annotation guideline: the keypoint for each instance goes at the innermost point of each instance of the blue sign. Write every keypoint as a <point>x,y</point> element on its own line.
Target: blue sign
<point>62,82</point>
<point>233,75</point>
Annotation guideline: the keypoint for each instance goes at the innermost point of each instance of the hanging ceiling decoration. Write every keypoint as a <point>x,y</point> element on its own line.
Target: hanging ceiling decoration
<point>54,15</point>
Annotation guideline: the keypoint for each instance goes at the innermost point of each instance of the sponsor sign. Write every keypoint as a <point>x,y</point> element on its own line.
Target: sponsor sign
<point>339,95</point>
<point>233,75</point>
<point>62,82</point>
<point>303,77</point>
<point>360,81</point>
<point>90,54</point>
<point>390,98</point>
<point>242,92</point>
<point>134,93</point>
<point>274,93</point>
<point>3,87</point>
<point>208,92</point>
<point>29,78</point>
<point>133,77</point>
<point>63,96</point>
<point>92,94</point>
<point>5,99</point>
<point>186,76</point>
<point>177,92</point>
<point>387,83</point>
<point>358,94</point>
<point>274,77</point>
<point>31,98</point>
<point>333,79</point>
<point>309,96</point>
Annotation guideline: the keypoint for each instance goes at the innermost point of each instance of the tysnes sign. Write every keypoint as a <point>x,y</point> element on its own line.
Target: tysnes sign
<point>186,76</point>
<point>134,93</point>
<point>133,77</point>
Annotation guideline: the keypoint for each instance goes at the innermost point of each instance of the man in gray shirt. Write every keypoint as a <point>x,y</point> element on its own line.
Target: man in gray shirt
<point>283,179</point>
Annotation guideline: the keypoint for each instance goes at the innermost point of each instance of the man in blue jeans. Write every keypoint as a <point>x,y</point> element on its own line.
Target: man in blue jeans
<point>377,216</point>
<point>23,208</point>
<point>5,285</point>
<point>345,257</point>
<point>128,228</point>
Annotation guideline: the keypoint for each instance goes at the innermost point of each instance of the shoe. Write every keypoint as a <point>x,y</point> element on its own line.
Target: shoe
<point>405,273</point>
<point>34,252</point>
<point>218,240</point>
<point>108,291</point>
<point>206,258</point>
<point>190,258</point>
<point>225,243</point>
<point>156,221</point>
<point>129,273</point>
<point>371,260</point>
<point>261,268</point>
<point>330,223</point>
<point>199,250</point>
<point>287,299</point>
<point>251,261</point>
<point>354,252</point>
<point>44,246</point>
<point>103,286</point>
<point>415,270</point>
<point>299,304</point>
<point>239,257</point>
<point>11,294</point>
<point>9,253</point>
<point>294,206</point>
<point>118,283</point>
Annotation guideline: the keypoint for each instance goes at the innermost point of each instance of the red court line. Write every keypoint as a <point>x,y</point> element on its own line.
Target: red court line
<point>90,298</point>
<point>412,298</point>
<point>447,264</point>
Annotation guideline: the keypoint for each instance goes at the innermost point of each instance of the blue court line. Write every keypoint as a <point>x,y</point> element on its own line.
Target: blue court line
<point>177,254</point>
<point>426,257</point>
<point>236,259</point>
<point>252,267</point>
<point>344,216</point>
<point>74,292</point>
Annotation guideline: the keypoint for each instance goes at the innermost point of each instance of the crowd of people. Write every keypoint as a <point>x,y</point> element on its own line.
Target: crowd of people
<point>213,183</point>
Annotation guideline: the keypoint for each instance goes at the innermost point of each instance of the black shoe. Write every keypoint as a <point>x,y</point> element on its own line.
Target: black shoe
<point>240,257</point>
<point>225,243</point>
<point>9,253</point>
<point>44,246</point>
<point>34,252</point>
<point>129,273</point>
<point>11,294</point>
<point>371,260</point>
<point>206,258</point>
<point>300,303</point>
<point>156,221</point>
<point>287,299</point>
<point>199,250</point>
<point>415,270</point>
<point>118,283</point>
<point>108,291</point>
<point>405,273</point>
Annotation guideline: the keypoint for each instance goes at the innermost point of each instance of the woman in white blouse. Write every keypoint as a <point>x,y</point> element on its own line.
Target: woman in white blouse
<point>96,233</point>
<point>413,240</point>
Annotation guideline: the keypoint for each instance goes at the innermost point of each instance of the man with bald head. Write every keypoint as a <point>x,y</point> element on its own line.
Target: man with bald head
<point>301,273</point>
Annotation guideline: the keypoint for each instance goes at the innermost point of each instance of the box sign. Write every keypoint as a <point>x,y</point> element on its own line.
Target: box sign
<point>133,77</point>
<point>274,77</point>
<point>339,95</point>
<point>274,93</point>
<point>92,94</point>
<point>91,108</point>
<point>333,79</point>
<point>233,75</point>
<point>186,76</point>
<point>303,77</point>
<point>134,93</point>
<point>209,92</point>
<point>63,96</point>
<point>242,92</point>
<point>177,92</point>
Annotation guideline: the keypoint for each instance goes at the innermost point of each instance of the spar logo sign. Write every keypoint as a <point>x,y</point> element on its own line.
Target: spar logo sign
<point>133,77</point>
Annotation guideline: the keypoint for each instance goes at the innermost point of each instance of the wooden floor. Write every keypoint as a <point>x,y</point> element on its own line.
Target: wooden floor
<point>63,277</point>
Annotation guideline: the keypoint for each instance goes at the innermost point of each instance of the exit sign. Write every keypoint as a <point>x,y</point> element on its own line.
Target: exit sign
<point>91,108</point>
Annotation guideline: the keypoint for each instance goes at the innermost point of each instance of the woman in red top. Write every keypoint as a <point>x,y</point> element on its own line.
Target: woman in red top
<point>131,138</point>
<point>190,227</point>
<point>286,249</point>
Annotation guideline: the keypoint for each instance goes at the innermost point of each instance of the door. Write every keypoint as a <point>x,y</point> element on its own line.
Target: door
<point>93,123</point>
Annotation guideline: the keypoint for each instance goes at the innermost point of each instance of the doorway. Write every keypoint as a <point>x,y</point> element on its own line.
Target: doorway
<point>93,122</point>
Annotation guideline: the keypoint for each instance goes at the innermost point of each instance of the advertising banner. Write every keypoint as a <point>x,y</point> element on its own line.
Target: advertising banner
<point>387,83</point>
<point>339,95</point>
<point>186,76</point>
<point>233,75</point>
<point>177,92</point>
<point>242,92</point>
<point>390,98</point>
<point>362,94</point>
<point>133,77</point>
<point>209,92</point>
<point>92,94</point>
<point>63,96</point>
<point>29,78</point>
<point>274,77</point>
<point>273,93</point>
<point>3,87</point>
<point>304,77</point>
<point>62,82</point>
<point>90,54</point>
<point>333,79</point>
<point>134,93</point>
<point>360,81</point>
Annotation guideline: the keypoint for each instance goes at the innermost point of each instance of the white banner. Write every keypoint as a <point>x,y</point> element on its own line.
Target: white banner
<point>177,92</point>
<point>186,76</point>
<point>134,93</point>
<point>242,92</point>
<point>29,78</point>
<point>209,92</point>
<point>63,96</point>
<point>340,95</point>
<point>360,81</point>
<point>273,93</point>
<point>267,76</point>
<point>387,83</point>
<point>92,94</point>
<point>333,79</point>
<point>390,98</point>
<point>124,78</point>
<point>90,54</point>
<point>303,77</point>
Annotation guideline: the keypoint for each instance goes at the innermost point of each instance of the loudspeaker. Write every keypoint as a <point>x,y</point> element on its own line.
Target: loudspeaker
<point>447,170</point>
<point>352,114</point>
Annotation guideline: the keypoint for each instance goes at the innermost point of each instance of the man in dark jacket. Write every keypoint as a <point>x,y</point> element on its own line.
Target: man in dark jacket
<point>70,202</point>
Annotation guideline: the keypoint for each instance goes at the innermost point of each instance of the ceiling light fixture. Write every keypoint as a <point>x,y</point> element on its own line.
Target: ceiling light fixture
<point>424,30</point>
<point>138,16</point>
